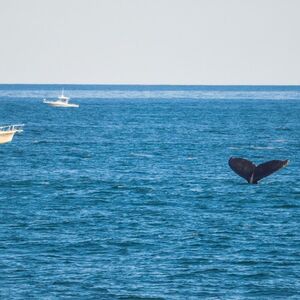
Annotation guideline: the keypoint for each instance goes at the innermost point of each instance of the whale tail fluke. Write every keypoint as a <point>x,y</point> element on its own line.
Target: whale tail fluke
<point>242,167</point>
<point>253,173</point>
<point>268,168</point>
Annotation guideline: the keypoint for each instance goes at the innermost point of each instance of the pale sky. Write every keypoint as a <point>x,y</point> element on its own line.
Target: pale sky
<point>150,41</point>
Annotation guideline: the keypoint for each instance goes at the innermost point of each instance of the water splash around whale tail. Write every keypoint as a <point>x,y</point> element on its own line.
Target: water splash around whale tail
<point>252,173</point>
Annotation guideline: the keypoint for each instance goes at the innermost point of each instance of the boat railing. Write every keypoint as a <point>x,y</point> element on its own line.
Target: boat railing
<point>15,128</point>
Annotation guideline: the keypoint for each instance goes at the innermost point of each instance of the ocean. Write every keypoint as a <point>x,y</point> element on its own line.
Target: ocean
<point>130,196</point>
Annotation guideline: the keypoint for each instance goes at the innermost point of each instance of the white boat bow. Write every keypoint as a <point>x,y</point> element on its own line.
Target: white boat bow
<point>7,132</point>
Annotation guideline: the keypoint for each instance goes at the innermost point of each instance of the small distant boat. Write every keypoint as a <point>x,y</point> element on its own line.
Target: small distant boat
<point>62,101</point>
<point>7,132</point>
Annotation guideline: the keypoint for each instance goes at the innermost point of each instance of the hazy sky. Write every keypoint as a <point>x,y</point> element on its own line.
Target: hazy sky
<point>150,41</point>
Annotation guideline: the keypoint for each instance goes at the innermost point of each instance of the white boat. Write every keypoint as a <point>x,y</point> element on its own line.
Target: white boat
<point>7,132</point>
<point>62,101</point>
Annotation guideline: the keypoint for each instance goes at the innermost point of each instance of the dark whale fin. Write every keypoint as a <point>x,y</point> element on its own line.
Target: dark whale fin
<point>242,167</point>
<point>268,168</point>
<point>253,174</point>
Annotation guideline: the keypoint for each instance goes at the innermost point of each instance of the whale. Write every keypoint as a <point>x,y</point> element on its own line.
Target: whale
<point>252,173</point>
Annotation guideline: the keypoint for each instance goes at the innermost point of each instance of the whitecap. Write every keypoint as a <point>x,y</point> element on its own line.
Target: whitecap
<point>280,141</point>
<point>262,148</point>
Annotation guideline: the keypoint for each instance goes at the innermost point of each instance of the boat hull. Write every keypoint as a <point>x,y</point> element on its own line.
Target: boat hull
<point>7,132</point>
<point>7,136</point>
<point>60,104</point>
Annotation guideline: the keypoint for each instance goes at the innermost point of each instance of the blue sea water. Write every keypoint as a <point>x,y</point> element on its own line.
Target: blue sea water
<point>130,195</point>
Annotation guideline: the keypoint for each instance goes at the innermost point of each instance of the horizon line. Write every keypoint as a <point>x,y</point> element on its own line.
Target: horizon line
<point>151,84</point>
